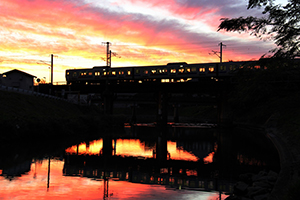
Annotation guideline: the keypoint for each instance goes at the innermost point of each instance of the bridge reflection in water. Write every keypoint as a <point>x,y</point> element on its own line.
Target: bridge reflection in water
<point>159,162</point>
<point>180,163</point>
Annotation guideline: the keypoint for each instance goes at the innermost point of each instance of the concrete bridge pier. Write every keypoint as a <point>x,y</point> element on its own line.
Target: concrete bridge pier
<point>107,149</point>
<point>108,101</point>
<point>162,108</point>
<point>161,148</point>
<point>176,115</point>
<point>223,110</point>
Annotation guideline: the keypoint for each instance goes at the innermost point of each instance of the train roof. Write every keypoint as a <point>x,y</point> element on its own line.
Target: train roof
<point>167,65</point>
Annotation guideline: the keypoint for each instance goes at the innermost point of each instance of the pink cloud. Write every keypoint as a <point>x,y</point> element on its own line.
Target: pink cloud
<point>76,29</point>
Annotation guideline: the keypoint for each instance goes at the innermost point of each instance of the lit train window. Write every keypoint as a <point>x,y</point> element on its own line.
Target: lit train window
<point>113,73</point>
<point>165,70</point>
<point>187,69</point>
<point>153,71</point>
<point>97,73</point>
<point>181,70</point>
<point>68,73</point>
<point>232,67</point>
<point>90,73</point>
<point>104,73</point>
<point>146,71</point>
<point>211,69</point>
<point>121,72</point>
<point>201,69</point>
<point>173,71</point>
<point>128,72</point>
<point>162,71</point>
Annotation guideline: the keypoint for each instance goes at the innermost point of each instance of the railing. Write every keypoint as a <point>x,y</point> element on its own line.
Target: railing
<point>29,92</point>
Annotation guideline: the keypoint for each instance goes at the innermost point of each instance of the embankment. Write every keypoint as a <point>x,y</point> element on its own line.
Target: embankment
<point>31,119</point>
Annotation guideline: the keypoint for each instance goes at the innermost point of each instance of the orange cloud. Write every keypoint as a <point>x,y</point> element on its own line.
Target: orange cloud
<point>73,29</point>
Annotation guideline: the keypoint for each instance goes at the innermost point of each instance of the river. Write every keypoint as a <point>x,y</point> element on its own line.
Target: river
<point>183,162</point>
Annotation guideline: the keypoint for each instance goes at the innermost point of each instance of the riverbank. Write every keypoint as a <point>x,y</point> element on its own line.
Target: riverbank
<point>31,119</point>
<point>279,116</point>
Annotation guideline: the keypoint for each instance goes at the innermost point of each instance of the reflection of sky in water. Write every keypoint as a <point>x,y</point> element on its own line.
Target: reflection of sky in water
<point>33,186</point>
<point>134,147</point>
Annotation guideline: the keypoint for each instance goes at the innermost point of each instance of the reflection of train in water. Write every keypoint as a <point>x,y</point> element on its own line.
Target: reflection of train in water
<point>172,72</point>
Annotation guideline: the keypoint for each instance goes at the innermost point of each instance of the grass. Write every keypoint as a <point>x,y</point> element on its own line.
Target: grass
<point>24,116</point>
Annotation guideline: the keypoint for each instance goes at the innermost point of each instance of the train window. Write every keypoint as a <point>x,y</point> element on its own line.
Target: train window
<point>153,71</point>
<point>104,73</point>
<point>128,72</point>
<point>201,69</point>
<point>121,72</point>
<point>173,71</point>
<point>187,69</point>
<point>223,68</point>
<point>211,69</point>
<point>181,70</point>
<point>146,71</point>
<point>74,74</point>
<point>90,73</point>
<point>137,71</point>
<point>194,69</point>
<point>68,73</point>
<point>165,70</point>
<point>113,73</point>
<point>232,67</point>
<point>97,73</point>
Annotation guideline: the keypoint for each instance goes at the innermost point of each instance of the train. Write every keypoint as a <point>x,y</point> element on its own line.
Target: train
<point>172,72</point>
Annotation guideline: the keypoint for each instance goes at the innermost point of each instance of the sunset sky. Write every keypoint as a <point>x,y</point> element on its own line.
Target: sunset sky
<point>140,32</point>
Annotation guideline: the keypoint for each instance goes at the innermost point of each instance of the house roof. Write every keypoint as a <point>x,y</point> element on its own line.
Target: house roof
<point>18,71</point>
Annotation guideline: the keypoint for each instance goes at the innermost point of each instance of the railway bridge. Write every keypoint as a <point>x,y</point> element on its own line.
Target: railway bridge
<point>161,95</point>
<point>174,83</point>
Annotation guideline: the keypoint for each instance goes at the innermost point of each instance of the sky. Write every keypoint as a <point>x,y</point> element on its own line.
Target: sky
<point>139,32</point>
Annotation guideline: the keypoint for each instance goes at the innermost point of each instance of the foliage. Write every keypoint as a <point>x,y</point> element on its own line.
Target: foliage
<point>278,23</point>
<point>261,93</point>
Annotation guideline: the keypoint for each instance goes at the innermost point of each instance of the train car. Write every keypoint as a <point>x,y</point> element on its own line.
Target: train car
<point>172,72</point>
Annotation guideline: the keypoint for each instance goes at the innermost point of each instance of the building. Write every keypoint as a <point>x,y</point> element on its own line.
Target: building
<point>17,79</point>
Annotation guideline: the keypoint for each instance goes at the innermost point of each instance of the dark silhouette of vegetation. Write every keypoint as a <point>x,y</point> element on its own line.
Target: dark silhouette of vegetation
<point>278,23</point>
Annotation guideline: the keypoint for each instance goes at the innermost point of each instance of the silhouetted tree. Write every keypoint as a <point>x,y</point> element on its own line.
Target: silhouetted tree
<point>278,23</point>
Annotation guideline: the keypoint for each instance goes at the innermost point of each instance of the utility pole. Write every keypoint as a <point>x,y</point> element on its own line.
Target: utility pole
<point>108,54</point>
<point>221,50</point>
<point>219,54</point>
<point>51,69</point>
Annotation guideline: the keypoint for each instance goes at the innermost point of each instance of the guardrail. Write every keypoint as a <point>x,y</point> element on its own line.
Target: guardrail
<point>30,92</point>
